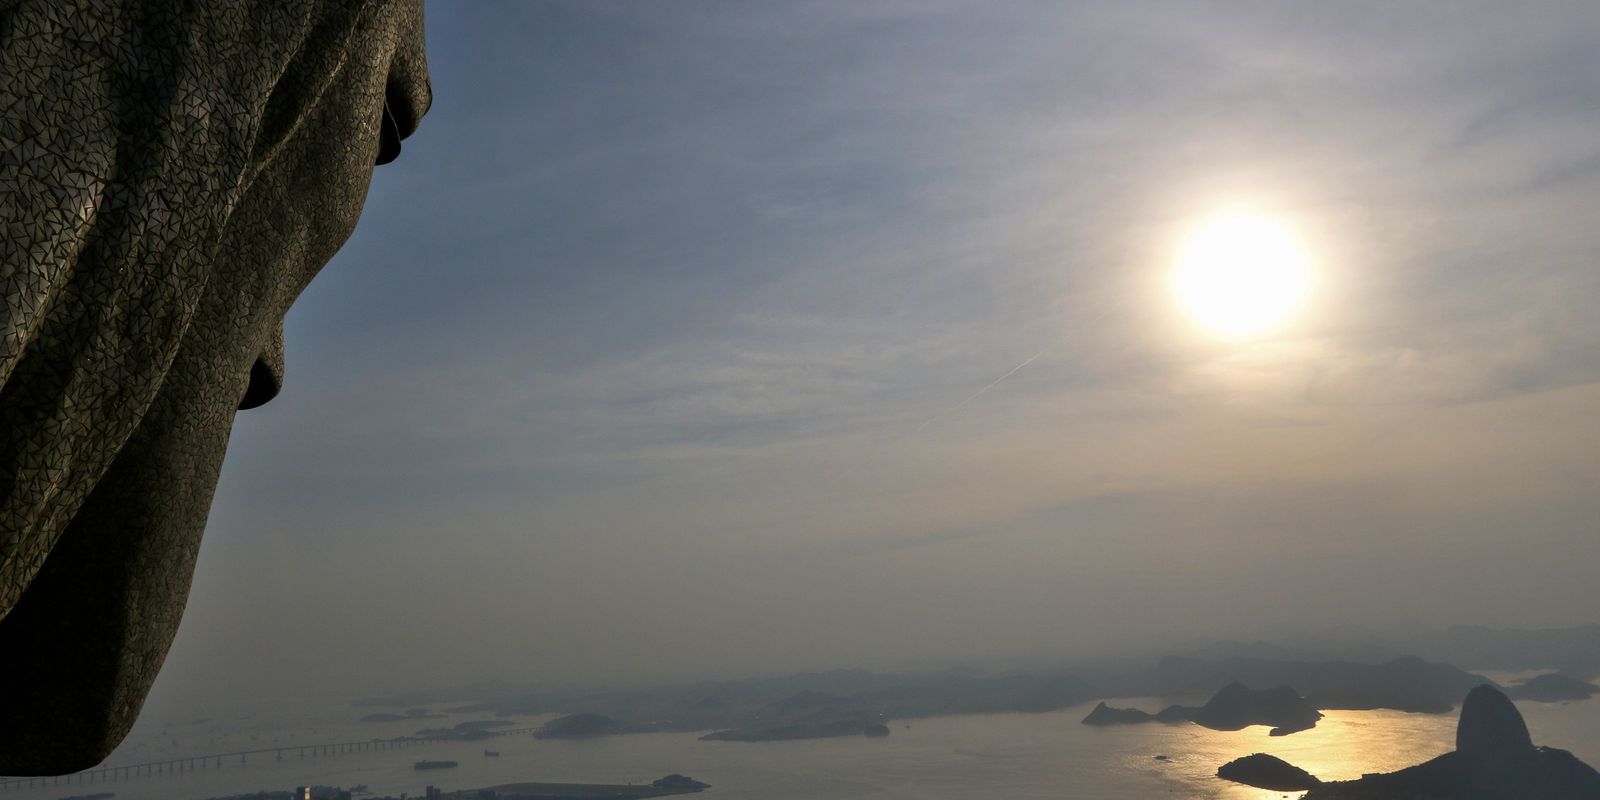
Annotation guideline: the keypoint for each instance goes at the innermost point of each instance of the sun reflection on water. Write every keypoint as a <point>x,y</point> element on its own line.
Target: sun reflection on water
<point>1347,744</point>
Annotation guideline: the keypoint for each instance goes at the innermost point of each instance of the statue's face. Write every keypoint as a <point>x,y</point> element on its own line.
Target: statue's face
<point>93,587</point>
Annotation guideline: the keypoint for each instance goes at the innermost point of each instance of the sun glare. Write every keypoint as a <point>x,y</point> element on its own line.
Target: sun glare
<point>1242,275</point>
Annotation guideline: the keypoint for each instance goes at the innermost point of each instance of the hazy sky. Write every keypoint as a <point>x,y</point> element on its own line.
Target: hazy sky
<point>652,355</point>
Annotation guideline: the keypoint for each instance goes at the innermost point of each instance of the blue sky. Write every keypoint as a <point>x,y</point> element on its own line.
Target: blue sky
<point>667,323</point>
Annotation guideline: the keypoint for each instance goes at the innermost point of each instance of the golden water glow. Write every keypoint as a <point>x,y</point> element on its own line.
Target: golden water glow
<point>1241,275</point>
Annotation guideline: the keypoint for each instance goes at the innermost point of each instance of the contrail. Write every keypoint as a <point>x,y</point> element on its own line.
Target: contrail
<point>990,385</point>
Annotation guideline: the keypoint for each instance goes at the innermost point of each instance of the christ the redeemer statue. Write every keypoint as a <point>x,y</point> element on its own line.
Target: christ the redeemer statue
<point>172,174</point>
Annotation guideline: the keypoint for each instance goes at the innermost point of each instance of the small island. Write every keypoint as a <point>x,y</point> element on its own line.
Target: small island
<point>1553,687</point>
<point>1267,772</point>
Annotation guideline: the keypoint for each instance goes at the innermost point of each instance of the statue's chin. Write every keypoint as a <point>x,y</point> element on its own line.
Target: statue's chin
<point>83,644</point>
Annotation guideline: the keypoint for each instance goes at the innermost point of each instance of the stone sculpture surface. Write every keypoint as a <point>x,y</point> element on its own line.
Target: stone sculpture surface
<point>171,176</point>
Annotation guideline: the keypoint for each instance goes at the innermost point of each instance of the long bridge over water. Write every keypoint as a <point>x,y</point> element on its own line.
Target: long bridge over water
<point>104,775</point>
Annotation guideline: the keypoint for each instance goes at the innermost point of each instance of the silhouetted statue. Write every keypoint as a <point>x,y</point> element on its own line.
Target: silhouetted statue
<point>172,174</point>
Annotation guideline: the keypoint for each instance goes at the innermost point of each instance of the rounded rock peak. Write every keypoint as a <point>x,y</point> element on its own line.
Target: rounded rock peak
<point>1490,724</point>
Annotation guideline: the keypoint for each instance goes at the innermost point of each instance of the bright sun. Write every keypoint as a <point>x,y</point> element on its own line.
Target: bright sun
<point>1242,275</point>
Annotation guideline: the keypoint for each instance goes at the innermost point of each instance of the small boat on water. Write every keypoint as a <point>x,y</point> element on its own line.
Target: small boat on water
<point>434,765</point>
<point>491,754</point>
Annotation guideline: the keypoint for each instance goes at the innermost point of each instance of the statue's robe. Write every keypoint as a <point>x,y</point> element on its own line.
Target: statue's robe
<point>172,174</point>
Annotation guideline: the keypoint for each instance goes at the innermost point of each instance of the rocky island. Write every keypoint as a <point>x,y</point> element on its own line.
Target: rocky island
<point>1267,772</point>
<point>1236,707</point>
<point>1553,687</point>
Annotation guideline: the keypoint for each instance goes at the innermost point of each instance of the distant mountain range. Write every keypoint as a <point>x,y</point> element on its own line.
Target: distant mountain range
<point>1403,684</point>
<point>851,701</point>
<point>1572,650</point>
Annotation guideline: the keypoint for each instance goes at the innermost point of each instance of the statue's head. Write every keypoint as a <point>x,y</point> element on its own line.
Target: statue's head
<point>165,194</point>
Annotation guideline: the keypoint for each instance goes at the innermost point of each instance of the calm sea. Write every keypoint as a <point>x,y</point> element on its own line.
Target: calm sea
<point>993,755</point>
